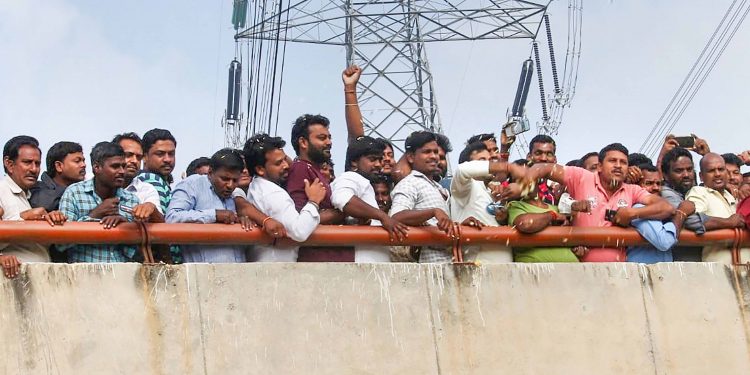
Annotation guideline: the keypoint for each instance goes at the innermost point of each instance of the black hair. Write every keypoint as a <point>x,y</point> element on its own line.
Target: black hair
<point>382,179</point>
<point>362,146</point>
<point>386,143</point>
<point>471,148</point>
<point>154,135</point>
<point>648,167</point>
<point>301,126</point>
<point>612,147</point>
<point>131,136</point>
<point>730,158</point>
<point>105,150</point>
<point>418,139</point>
<point>444,143</point>
<point>574,163</point>
<point>638,159</point>
<point>192,168</point>
<point>481,138</point>
<point>14,144</point>
<point>588,155</point>
<point>541,138</point>
<point>746,174</point>
<point>256,148</point>
<point>521,162</point>
<point>671,156</point>
<point>58,152</point>
<point>229,159</point>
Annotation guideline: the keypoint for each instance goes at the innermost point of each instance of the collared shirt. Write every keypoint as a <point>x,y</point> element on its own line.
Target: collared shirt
<point>275,202</point>
<point>695,222</point>
<point>14,200</point>
<point>76,203</point>
<point>716,204</point>
<point>165,196</point>
<point>145,192</point>
<point>194,200</point>
<point>661,237</point>
<point>470,198</point>
<point>419,192</point>
<point>344,188</point>
<point>586,185</point>
<point>744,210</point>
<point>46,193</point>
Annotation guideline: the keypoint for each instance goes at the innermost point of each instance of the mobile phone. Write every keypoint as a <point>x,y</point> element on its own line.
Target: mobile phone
<point>609,215</point>
<point>685,142</point>
<point>517,126</point>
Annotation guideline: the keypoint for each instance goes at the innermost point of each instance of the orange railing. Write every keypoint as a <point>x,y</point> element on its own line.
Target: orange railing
<point>144,235</point>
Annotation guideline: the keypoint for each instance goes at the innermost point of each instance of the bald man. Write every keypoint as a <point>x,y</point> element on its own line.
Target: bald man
<point>716,201</point>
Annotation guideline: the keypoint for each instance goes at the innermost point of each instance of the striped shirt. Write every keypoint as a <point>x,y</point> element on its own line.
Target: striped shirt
<point>76,203</point>
<point>165,196</point>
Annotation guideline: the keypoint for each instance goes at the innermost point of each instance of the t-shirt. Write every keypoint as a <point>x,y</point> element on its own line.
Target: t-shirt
<point>585,185</point>
<point>537,254</point>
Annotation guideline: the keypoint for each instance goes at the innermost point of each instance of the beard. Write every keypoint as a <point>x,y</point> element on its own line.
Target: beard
<point>317,155</point>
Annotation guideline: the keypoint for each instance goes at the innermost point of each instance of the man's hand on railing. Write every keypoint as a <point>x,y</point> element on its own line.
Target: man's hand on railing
<point>52,218</point>
<point>473,222</point>
<point>246,223</point>
<point>273,228</point>
<point>108,207</point>
<point>736,221</point>
<point>11,265</point>
<point>112,221</point>
<point>226,217</point>
<point>143,211</point>
<point>445,223</point>
<point>397,230</point>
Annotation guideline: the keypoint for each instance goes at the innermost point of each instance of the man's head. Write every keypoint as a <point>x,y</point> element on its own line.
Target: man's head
<point>22,160</point>
<point>202,165</point>
<point>423,152</point>
<point>746,178</point>
<point>66,163</point>
<point>474,151</point>
<point>573,163</point>
<point>326,169</point>
<point>651,180</point>
<point>639,159</point>
<point>108,163</point>
<point>445,147</point>
<point>490,141</point>
<point>382,186</point>
<point>365,156</point>
<point>714,171</point>
<point>388,158</point>
<point>226,167</point>
<point>733,164</point>
<point>265,157</point>
<point>613,163</point>
<point>131,144</point>
<point>590,162</point>
<point>311,139</point>
<point>159,152</point>
<point>542,149</point>
<point>678,169</point>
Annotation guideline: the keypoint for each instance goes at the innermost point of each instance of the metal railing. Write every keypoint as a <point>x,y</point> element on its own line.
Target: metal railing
<point>145,234</point>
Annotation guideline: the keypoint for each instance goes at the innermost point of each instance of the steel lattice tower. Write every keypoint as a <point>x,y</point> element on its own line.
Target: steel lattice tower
<point>387,39</point>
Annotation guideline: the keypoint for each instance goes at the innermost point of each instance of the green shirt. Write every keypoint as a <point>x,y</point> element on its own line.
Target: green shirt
<point>537,254</point>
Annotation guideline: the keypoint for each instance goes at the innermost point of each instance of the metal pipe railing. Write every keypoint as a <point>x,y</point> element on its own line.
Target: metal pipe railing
<point>145,235</point>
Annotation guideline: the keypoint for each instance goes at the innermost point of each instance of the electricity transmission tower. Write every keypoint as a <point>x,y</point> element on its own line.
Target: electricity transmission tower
<point>387,40</point>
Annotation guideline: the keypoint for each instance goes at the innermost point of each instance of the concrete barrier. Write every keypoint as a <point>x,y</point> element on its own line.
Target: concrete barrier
<point>375,319</point>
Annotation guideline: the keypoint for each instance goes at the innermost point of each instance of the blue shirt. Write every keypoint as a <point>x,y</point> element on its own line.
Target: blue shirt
<point>195,201</point>
<point>76,203</point>
<point>661,236</point>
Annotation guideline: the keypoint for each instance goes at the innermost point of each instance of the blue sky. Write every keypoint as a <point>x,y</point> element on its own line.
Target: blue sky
<point>86,70</point>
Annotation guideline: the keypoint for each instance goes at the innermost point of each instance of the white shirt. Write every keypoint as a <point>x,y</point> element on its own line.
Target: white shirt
<point>275,202</point>
<point>145,192</point>
<point>14,201</point>
<point>343,188</point>
<point>470,197</point>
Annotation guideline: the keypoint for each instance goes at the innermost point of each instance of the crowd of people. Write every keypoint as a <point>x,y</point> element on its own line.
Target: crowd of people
<point>261,186</point>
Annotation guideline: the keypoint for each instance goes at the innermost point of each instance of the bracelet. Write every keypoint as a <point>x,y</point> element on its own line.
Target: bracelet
<point>263,224</point>
<point>314,204</point>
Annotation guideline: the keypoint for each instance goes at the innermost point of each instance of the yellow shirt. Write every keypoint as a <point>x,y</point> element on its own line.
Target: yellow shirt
<point>14,201</point>
<point>713,203</point>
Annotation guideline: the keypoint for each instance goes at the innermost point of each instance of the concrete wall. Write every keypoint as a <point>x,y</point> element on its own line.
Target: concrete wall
<point>375,319</point>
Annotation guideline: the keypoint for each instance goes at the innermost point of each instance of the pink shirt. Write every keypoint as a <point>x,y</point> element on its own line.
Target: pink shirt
<point>585,185</point>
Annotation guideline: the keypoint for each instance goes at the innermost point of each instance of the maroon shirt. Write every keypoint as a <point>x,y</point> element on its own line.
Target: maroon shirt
<point>300,171</point>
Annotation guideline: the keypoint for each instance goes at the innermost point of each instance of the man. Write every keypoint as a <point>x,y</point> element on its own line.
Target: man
<point>417,199</point>
<point>146,193</point>
<point>472,198</point>
<point>158,147</point>
<point>590,161</point>
<point>679,177</point>
<point>102,199</point>
<point>208,199</point>
<point>198,166</point>
<point>605,190</point>
<point>746,178</point>
<point>445,147</point>
<point>733,164</point>
<point>382,187</point>
<point>490,142</point>
<point>650,178</point>
<point>66,165</point>
<point>327,170</point>
<point>267,162</point>
<point>714,200</point>
<point>354,195</point>
<point>311,140</point>
<point>22,159</point>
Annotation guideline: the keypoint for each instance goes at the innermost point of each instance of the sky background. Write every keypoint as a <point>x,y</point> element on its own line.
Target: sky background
<point>86,70</point>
